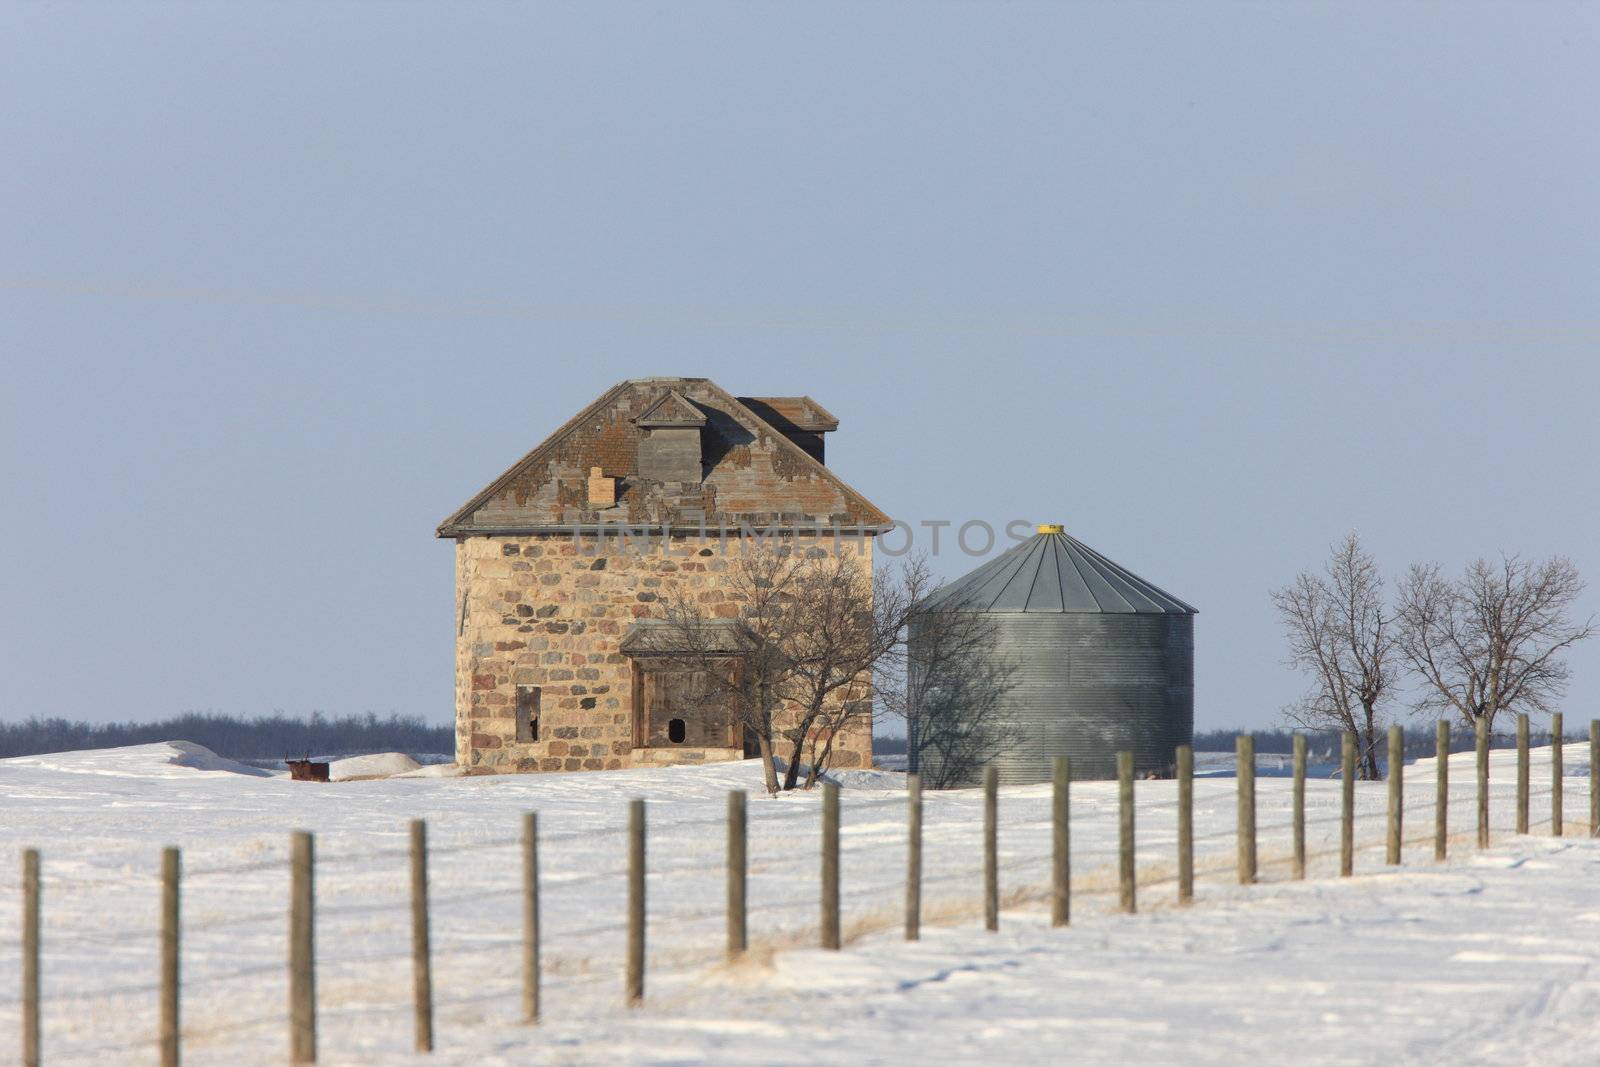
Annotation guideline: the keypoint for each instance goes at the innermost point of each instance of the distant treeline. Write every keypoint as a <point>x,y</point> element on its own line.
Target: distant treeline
<point>888,745</point>
<point>277,737</point>
<point>1318,742</point>
<point>1322,746</point>
<point>264,738</point>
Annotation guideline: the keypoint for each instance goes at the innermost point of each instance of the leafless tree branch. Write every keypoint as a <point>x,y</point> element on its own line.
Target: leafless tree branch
<point>1492,640</point>
<point>1340,633</point>
<point>818,628</point>
<point>949,685</point>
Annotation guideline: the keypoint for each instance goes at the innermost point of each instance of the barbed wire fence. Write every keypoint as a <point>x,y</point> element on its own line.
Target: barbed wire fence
<point>480,933</point>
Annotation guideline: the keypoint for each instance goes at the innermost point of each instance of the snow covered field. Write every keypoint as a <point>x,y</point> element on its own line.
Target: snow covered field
<point>1491,958</point>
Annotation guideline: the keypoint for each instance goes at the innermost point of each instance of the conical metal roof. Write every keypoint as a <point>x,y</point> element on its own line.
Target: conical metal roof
<point>1052,572</point>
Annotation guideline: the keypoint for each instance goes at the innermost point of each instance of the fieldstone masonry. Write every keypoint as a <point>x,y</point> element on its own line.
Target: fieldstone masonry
<point>543,610</point>
<point>547,591</point>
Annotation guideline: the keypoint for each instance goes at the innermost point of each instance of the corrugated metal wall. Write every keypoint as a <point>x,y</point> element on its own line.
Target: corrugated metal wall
<point>1079,684</point>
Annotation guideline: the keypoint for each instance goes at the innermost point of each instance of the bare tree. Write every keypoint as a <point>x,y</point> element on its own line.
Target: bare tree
<point>1492,640</point>
<point>815,629</point>
<point>763,583</point>
<point>1341,634</point>
<point>847,621</point>
<point>949,683</point>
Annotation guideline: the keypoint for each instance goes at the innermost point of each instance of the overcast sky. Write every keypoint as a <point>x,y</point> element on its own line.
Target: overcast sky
<point>281,286</point>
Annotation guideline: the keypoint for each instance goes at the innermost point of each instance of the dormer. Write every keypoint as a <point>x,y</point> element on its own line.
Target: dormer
<point>799,418</point>
<point>670,450</point>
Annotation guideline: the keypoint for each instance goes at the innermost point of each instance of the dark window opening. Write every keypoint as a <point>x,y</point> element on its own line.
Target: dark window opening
<point>676,731</point>
<point>527,713</point>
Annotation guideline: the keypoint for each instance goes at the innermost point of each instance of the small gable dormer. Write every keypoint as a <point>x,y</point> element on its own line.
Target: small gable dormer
<point>670,450</point>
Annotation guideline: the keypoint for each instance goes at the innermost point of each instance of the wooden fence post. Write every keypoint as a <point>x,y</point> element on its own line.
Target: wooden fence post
<point>1061,844</point>
<point>1347,804</point>
<point>991,849</point>
<point>1185,824</point>
<point>1594,777</point>
<point>169,958</point>
<point>1126,871</point>
<point>302,950</point>
<point>738,875</point>
<point>1482,749</point>
<point>1558,807</point>
<point>1522,773</point>
<point>530,917</point>
<point>421,953</point>
<point>1441,793</point>
<point>30,957</point>
<point>913,857</point>
<point>634,989</point>
<point>1245,768</point>
<point>830,866</point>
<point>1299,806</point>
<point>1397,793</point>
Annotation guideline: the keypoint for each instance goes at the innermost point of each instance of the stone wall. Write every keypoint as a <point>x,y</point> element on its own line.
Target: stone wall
<point>538,610</point>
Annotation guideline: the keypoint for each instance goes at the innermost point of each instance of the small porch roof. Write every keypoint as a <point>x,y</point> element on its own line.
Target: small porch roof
<point>668,637</point>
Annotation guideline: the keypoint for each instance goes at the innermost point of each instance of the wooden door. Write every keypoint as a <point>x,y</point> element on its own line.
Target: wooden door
<point>684,708</point>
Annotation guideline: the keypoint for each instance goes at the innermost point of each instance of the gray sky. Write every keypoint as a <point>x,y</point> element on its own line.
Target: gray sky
<point>282,285</point>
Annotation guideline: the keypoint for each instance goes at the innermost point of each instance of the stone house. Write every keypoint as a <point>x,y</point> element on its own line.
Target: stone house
<point>561,662</point>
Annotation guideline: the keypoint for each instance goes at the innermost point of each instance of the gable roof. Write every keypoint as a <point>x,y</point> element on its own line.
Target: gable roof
<point>529,496</point>
<point>672,410</point>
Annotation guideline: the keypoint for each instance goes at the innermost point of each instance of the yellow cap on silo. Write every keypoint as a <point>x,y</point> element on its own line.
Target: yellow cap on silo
<point>1050,527</point>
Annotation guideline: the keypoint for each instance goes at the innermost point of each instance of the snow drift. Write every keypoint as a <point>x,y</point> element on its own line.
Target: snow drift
<point>164,759</point>
<point>376,765</point>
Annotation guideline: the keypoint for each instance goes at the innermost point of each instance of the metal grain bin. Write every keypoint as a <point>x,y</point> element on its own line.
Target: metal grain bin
<point>1048,650</point>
